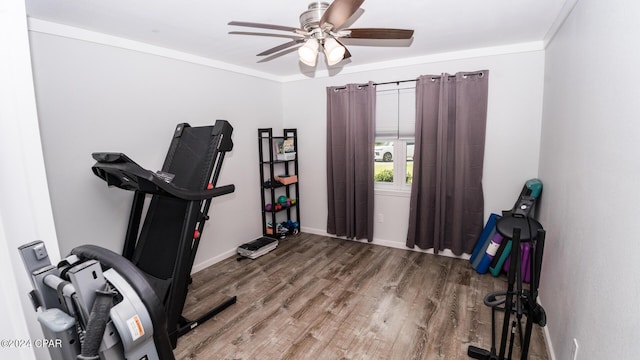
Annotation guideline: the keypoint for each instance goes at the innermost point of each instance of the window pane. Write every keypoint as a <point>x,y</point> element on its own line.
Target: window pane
<point>409,152</point>
<point>387,114</point>
<point>383,165</point>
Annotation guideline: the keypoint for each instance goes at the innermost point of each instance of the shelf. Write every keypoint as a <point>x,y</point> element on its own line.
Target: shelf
<point>267,162</point>
<point>278,186</point>
<point>269,148</point>
<point>276,137</point>
<point>283,209</point>
<point>273,187</point>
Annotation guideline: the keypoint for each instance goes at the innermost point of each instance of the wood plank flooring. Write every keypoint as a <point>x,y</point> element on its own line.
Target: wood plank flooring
<point>317,297</point>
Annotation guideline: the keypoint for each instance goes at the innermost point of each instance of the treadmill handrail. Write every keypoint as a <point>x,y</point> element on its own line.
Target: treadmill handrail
<point>120,166</point>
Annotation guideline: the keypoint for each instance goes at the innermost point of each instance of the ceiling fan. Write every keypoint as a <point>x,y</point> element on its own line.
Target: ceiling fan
<point>320,25</point>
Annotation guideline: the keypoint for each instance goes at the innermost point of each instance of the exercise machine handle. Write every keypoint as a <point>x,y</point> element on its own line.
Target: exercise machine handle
<point>117,169</point>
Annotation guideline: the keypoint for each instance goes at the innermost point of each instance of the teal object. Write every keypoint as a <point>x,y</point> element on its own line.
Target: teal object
<point>535,186</point>
<point>495,270</point>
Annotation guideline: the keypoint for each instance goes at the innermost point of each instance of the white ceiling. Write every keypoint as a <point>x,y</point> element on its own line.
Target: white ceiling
<point>199,27</point>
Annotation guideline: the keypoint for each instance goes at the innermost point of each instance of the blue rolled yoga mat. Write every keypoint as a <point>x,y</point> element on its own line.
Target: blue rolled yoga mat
<point>485,262</point>
<point>483,241</point>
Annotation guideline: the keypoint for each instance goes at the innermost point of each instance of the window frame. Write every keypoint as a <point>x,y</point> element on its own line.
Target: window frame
<point>400,143</point>
<point>399,168</point>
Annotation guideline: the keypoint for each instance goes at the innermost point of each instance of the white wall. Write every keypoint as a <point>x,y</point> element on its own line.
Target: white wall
<point>92,97</point>
<point>25,210</point>
<point>590,169</point>
<point>512,143</point>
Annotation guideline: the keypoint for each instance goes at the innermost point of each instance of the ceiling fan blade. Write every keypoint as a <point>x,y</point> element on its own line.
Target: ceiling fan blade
<point>266,34</point>
<point>378,33</point>
<point>347,54</point>
<point>338,13</point>
<point>266,26</point>
<point>277,55</point>
<point>281,47</point>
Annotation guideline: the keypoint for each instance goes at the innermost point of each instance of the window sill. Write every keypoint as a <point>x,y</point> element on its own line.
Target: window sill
<point>392,192</point>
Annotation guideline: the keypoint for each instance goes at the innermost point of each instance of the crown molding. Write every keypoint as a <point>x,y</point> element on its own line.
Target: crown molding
<point>567,7</point>
<point>427,59</point>
<point>52,28</point>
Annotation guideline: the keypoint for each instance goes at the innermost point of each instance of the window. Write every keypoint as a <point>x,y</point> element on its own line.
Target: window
<point>395,126</point>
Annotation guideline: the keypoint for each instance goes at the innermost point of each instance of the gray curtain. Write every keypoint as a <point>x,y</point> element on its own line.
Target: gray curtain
<point>447,203</point>
<point>350,139</point>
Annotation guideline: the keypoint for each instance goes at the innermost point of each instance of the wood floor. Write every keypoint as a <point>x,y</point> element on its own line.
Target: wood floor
<point>316,297</point>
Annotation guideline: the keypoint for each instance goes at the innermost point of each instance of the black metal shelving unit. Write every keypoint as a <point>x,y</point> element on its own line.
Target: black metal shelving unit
<point>270,189</point>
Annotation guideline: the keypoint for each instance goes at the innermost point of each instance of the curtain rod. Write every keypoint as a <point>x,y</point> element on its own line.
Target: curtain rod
<point>393,82</point>
<point>374,84</point>
<point>409,80</point>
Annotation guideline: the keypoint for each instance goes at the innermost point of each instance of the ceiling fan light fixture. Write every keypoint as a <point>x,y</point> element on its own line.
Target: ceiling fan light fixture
<point>308,52</point>
<point>324,23</point>
<point>333,51</point>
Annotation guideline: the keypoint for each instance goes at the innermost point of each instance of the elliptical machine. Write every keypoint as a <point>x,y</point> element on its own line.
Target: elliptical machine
<point>95,305</point>
<point>518,226</point>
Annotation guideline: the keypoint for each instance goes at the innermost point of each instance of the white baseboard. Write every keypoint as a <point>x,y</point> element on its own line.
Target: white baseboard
<point>389,243</point>
<point>214,260</point>
<point>547,339</point>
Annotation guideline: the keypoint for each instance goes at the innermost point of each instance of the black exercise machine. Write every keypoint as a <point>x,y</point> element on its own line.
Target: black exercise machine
<point>164,248</point>
<point>518,226</point>
<point>95,304</point>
